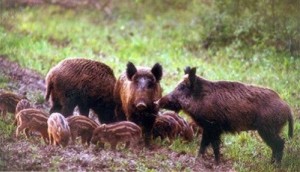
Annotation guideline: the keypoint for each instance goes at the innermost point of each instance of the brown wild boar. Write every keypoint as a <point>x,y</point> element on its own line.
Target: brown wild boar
<point>84,83</point>
<point>186,131</point>
<point>8,103</point>
<point>81,126</point>
<point>32,120</point>
<point>58,130</point>
<point>114,133</point>
<point>224,106</point>
<point>135,93</point>
<point>166,127</point>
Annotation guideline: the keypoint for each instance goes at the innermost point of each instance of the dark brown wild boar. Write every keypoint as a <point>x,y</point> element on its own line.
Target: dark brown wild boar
<point>166,127</point>
<point>81,126</point>
<point>186,131</point>
<point>58,130</point>
<point>8,103</point>
<point>114,133</point>
<point>224,106</point>
<point>84,83</point>
<point>135,93</point>
<point>32,120</point>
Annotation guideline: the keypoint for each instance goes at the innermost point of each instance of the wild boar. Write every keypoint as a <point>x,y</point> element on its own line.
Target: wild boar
<point>114,133</point>
<point>224,106</point>
<point>22,104</point>
<point>135,93</point>
<point>58,130</point>
<point>84,83</point>
<point>186,131</point>
<point>166,127</point>
<point>32,120</point>
<point>81,126</point>
<point>8,103</point>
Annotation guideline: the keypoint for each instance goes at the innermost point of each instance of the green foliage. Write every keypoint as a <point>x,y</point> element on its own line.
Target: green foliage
<point>225,40</point>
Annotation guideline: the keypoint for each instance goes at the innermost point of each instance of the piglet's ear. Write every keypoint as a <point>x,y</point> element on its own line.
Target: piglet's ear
<point>157,71</point>
<point>131,70</point>
<point>192,76</point>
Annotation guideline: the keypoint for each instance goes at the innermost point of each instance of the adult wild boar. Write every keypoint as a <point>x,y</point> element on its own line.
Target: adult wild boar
<point>224,106</point>
<point>135,93</point>
<point>84,83</point>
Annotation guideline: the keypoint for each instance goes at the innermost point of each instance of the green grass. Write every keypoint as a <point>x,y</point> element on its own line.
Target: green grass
<point>39,37</point>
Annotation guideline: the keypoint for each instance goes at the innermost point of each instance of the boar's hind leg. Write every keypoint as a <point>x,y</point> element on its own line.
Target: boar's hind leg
<point>275,142</point>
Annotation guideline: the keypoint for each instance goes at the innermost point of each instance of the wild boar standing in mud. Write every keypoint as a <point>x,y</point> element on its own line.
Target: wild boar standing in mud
<point>58,130</point>
<point>224,106</point>
<point>84,83</point>
<point>8,103</point>
<point>124,131</point>
<point>81,126</point>
<point>32,120</point>
<point>135,93</point>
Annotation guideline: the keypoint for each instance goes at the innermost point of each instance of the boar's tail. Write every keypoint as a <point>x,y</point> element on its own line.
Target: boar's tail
<point>48,90</point>
<point>291,125</point>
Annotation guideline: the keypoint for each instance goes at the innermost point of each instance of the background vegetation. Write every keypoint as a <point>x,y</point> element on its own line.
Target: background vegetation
<point>256,42</point>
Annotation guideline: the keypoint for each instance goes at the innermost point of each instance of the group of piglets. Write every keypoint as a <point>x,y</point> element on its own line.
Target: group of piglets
<point>132,107</point>
<point>56,129</point>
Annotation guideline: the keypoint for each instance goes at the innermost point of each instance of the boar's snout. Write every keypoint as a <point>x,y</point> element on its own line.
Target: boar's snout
<point>141,106</point>
<point>169,102</point>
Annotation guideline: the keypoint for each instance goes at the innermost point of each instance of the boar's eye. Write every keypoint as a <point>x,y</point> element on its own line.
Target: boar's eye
<point>150,85</point>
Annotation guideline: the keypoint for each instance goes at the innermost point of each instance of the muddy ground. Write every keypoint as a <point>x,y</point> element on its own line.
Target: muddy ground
<point>33,154</point>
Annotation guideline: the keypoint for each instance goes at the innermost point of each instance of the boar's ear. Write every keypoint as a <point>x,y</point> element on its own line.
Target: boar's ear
<point>131,70</point>
<point>192,76</point>
<point>157,71</point>
<point>187,70</point>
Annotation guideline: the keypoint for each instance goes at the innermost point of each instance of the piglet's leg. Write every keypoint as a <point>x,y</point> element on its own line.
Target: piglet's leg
<point>127,144</point>
<point>113,145</point>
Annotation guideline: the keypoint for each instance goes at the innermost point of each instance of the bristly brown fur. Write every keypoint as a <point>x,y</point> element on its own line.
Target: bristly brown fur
<point>84,83</point>
<point>8,102</point>
<point>32,120</point>
<point>186,131</point>
<point>115,133</point>
<point>135,92</point>
<point>22,104</point>
<point>166,127</point>
<point>82,126</point>
<point>58,130</point>
<point>225,106</point>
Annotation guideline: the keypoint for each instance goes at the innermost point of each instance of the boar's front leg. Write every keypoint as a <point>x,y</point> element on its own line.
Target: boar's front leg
<point>212,137</point>
<point>148,124</point>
